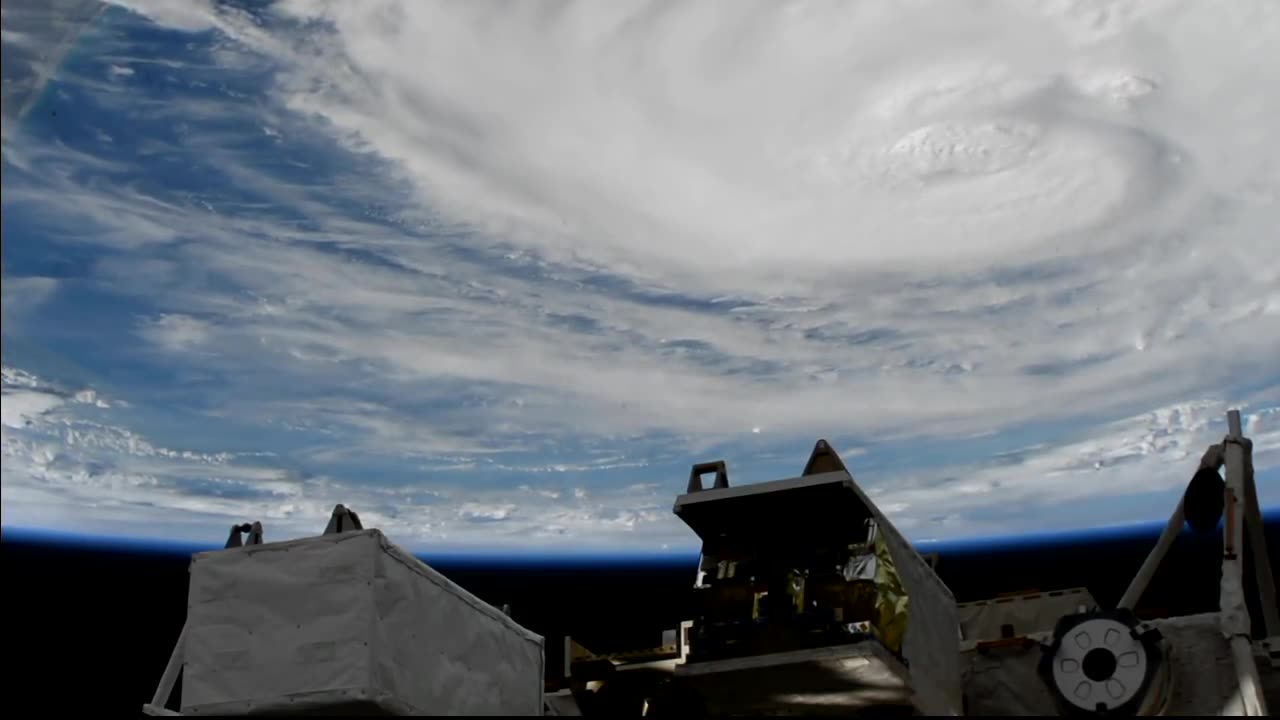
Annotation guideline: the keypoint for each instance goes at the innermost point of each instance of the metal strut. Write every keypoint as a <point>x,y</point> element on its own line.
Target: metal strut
<point>1235,612</point>
<point>1210,498</point>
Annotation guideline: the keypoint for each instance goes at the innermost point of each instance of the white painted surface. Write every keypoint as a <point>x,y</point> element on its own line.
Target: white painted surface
<point>350,617</point>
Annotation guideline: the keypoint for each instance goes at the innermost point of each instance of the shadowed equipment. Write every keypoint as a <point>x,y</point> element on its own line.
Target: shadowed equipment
<point>805,600</point>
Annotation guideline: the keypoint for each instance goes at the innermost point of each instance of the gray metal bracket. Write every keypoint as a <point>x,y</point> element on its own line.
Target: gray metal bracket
<point>823,459</point>
<point>718,467</point>
<point>236,538</point>
<point>343,520</point>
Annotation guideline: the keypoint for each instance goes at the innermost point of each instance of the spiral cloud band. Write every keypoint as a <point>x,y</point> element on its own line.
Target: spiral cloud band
<point>445,247</point>
<point>681,139</point>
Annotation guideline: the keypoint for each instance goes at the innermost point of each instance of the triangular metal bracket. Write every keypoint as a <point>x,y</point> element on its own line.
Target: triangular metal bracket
<point>254,531</point>
<point>718,467</point>
<point>343,520</point>
<point>823,460</point>
<point>169,679</point>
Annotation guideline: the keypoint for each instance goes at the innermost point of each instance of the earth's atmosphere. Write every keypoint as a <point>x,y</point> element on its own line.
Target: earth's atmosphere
<point>496,275</point>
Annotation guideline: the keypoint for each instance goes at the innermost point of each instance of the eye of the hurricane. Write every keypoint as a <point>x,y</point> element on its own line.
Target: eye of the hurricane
<point>939,157</point>
<point>950,149</point>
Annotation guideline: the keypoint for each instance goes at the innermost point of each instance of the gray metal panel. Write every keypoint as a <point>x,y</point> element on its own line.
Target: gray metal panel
<point>346,618</point>
<point>822,681</point>
<point>817,508</point>
<point>1031,613</point>
<point>1005,683</point>
<point>932,643</point>
<point>713,494</point>
<point>1202,673</point>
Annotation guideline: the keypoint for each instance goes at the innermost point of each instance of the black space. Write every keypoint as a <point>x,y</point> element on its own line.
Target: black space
<point>90,630</point>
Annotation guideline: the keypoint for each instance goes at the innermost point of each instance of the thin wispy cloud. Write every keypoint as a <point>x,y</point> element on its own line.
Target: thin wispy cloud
<point>465,247</point>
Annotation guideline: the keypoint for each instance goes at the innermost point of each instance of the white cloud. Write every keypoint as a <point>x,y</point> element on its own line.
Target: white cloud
<point>482,512</point>
<point>56,460</point>
<point>688,141</point>
<point>27,401</point>
<point>1152,455</point>
<point>37,36</point>
<point>645,231</point>
<point>177,332</point>
<point>189,15</point>
<point>63,469</point>
<point>22,408</point>
<point>15,378</point>
<point>996,155</point>
<point>21,295</point>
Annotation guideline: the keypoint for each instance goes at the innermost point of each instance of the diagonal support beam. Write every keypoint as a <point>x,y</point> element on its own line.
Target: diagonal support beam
<point>1140,581</point>
<point>1258,547</point>
<point>170,678</point>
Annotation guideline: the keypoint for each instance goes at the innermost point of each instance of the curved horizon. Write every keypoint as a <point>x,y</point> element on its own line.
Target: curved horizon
<point>497,278</point>
<point>677,555</point>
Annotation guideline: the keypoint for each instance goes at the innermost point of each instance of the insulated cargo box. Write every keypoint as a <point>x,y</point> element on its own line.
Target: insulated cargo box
<point>350,623</point>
